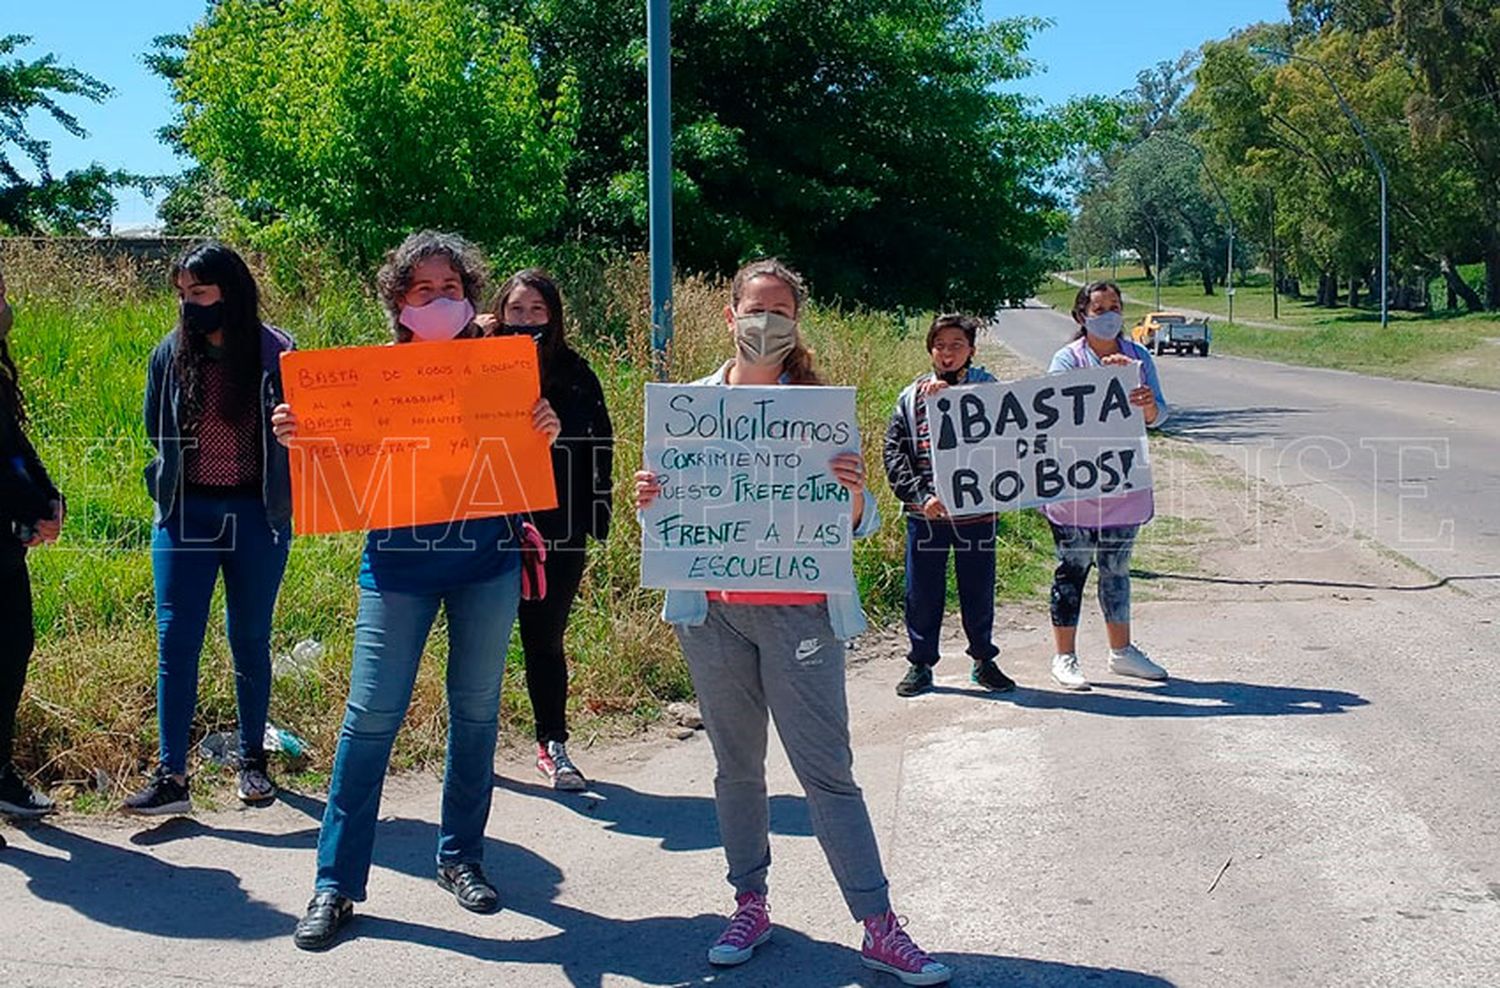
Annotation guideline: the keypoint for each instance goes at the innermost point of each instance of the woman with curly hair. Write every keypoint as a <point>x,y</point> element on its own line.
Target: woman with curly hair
<point>430,286</point>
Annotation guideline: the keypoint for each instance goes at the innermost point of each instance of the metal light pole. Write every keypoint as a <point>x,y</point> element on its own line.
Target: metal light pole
<point>1359,128</point>
<point>659,170</point>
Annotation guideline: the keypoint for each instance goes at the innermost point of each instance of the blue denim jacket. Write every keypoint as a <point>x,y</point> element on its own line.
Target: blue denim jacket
<point>162,413</point>
<point>845,615</point>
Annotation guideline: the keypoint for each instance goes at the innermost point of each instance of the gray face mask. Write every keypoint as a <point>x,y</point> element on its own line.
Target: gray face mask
<point>765,338</point>
<point>1105,325</point>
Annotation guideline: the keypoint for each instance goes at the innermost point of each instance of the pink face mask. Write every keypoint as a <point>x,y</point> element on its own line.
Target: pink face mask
<point>441,319</point>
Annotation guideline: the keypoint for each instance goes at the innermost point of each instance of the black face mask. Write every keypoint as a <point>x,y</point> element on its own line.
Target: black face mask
<point>200,320</point>
<point>951,377</point>
<point>538,333</point>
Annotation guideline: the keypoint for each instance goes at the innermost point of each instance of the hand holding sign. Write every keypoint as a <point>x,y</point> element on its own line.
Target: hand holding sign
<point>1000,447</point>
<point>749,488</point>
<point>385,437</point>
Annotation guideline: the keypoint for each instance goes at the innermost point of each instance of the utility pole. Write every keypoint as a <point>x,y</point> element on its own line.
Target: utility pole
<point>659,168</point>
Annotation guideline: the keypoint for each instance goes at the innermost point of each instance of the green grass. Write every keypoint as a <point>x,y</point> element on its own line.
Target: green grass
<point>1444,347</point>
<point>82,337</point>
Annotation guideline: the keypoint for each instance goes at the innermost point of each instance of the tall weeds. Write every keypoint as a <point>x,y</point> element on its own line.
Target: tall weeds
<point>84,329</point>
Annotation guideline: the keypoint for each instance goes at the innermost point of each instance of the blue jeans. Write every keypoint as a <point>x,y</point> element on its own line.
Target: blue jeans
<point>389,636</point>
<point>928,544</point>
<point>202,537</point>
<point>1078,551</point>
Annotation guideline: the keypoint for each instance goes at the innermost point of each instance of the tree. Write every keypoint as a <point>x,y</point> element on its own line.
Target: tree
<point>868,141</point>
<point>79,200</point>
<point>353,122</point>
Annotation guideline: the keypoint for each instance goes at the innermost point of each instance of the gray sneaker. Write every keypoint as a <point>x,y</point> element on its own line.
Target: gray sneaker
<point>552,761</point>
<point>1131,661</point>
<point>255,785</point>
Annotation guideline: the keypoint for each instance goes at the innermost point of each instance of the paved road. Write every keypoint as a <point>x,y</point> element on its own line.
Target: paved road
<point>1415,466</point>
<point>1309,801</point>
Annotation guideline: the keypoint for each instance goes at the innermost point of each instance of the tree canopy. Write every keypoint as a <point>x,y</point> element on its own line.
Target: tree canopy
<point>79,200</point>
<point>872,143</point>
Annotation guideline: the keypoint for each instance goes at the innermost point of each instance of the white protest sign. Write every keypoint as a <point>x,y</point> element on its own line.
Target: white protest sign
<point>1064,437</point>
<point>748,501</point>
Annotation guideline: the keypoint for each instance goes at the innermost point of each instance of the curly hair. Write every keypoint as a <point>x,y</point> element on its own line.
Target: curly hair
<point>798,365</point>
<point>393,280</point>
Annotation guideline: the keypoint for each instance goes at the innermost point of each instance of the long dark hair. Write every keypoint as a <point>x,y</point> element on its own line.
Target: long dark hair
<point>798,365</point>
<point>393,280</point>
<point>212,263</point>
<point>553,343</point>
<point>1085,296</point>
<point>10,385</point>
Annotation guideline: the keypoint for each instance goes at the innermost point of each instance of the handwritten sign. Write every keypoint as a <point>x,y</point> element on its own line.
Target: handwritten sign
<point>1064,437</point>
<point>748,501</point>
<point>391,436</point>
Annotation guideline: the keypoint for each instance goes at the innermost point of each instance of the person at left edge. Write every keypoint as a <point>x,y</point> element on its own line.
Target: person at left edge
<point>31,513</point>
<point>430,286</point>
<point>222,490</point>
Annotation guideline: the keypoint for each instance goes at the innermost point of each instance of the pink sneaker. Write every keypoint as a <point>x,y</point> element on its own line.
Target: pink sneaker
<point>889,948</point>
<point>749,928</point>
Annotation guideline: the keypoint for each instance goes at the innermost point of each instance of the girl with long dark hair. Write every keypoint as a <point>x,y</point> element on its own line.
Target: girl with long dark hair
<point>582,465</point>
<point>222,489</point>
<point>31,513</point>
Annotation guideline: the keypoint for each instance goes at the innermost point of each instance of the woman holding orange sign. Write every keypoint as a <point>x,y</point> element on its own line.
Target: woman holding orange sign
<point>430,286</point>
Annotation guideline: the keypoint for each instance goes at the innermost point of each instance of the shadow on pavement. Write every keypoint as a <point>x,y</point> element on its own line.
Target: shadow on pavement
<point>131,890</point>
<point>1177,698</point>
<point>1230,425</point>
<point>677,823</point>
<point>1196,698</point>
<point>1438,584</point>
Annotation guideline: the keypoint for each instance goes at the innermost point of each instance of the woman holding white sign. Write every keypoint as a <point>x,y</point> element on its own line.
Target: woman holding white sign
<point>430,286</point>
<point>754,653</point>
<point>1101,531</point>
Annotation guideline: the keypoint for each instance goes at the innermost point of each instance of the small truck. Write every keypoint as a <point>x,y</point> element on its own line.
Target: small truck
<point>1163,331</point>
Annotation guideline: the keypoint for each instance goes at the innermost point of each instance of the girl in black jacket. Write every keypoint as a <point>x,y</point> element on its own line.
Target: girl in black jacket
<point>582,467</point>
<point>31,512</point>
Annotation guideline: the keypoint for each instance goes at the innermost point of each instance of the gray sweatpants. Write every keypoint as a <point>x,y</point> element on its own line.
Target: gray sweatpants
<point>747,659</point>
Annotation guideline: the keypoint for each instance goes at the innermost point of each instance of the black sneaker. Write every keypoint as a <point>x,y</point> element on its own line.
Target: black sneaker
<point>918,679</point>
<point>327,913</point>
<point>988,675</point>
<point>20,800</point>
<point>165,796</point>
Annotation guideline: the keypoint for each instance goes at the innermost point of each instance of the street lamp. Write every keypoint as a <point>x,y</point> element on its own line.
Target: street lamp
<point>1283,56</point>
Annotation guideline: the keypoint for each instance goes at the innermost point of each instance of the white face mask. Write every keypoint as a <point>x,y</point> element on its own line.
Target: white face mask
<point>440,319</point>
<point>1105,325</point>
<point>765,338</point>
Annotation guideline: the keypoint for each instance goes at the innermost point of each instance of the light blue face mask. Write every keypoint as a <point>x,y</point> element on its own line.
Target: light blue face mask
<point>1105,325</point>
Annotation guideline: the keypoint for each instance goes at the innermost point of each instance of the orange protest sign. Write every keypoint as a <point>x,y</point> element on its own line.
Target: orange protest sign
<point>390,436</point>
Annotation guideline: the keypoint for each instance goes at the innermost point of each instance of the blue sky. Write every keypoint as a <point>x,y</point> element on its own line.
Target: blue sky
<point>1095,46</point>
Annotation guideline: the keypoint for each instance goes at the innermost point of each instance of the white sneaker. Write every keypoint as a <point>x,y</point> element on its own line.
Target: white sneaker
<point>1131,661</point>
<point>1065,671</point>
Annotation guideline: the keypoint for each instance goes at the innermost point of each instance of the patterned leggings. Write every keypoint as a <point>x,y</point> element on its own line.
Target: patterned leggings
<point>1078,551</point>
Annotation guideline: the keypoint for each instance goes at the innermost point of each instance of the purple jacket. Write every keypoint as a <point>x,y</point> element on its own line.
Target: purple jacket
<point>1132,507</point>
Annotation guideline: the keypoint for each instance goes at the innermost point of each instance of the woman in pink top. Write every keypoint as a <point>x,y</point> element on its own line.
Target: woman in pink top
<point>1101,531</point>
